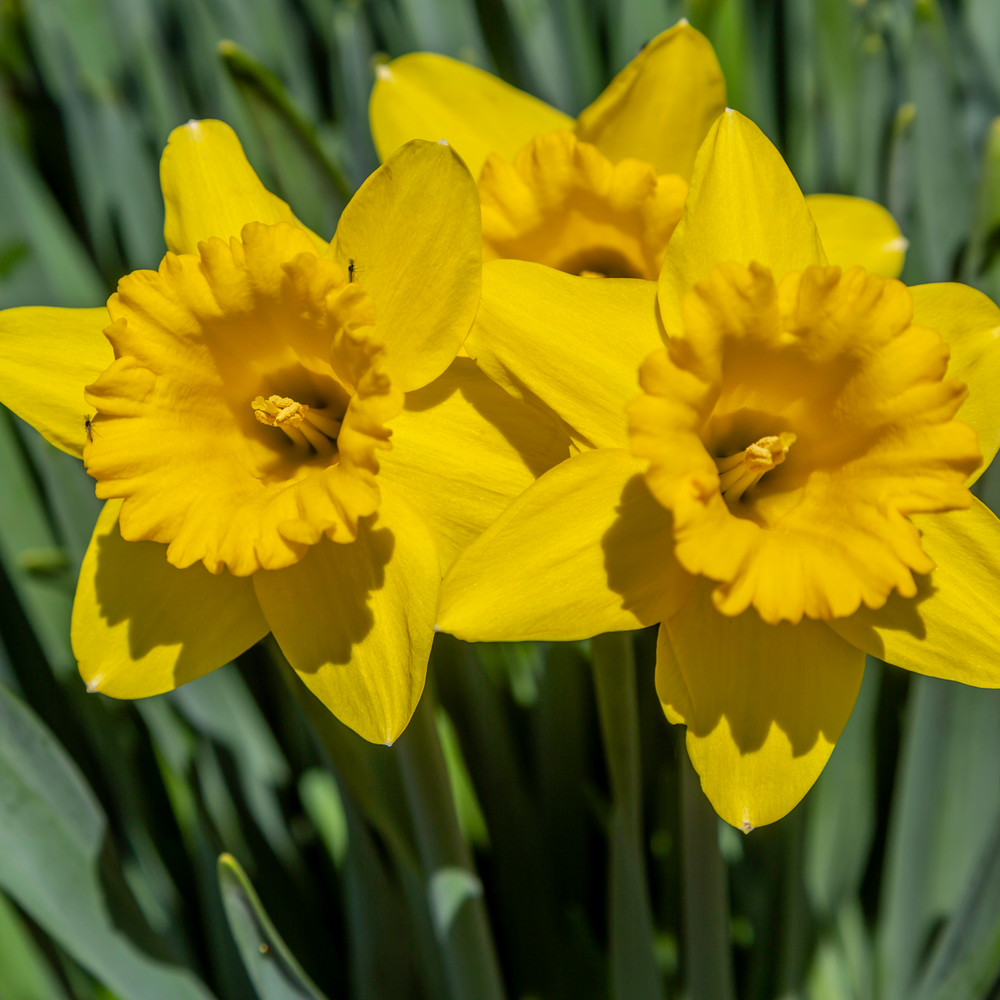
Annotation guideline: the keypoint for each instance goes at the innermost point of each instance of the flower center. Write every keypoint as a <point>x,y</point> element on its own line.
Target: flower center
<point>739,472</point>
<point>305,425</point>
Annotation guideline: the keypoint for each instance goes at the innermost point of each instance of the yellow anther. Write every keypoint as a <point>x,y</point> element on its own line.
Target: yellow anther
<point>737,473</point>
<point>278,411</point>
<point>304,425</point>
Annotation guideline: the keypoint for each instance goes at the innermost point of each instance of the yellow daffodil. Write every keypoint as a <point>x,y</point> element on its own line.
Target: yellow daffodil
<point>245,395</point>
<point>788,493</point>
<point>601,194</point>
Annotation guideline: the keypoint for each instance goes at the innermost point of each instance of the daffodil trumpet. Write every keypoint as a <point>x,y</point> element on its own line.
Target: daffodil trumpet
<point>285,443</point>
<point>788,492</point>
<point>601,194</point>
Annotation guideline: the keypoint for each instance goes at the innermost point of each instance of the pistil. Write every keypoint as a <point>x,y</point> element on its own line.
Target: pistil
<point>737,473</point>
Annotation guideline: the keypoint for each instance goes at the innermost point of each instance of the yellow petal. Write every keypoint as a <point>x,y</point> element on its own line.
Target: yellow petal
<point>575,343</point>
<point>764,704</point>
<point>47,356</point>
<point>413,236</point>
<point>211,190</point>
<point>463,449</point>
<point>969,323</point>
<point>356,621</point>
<point>142,627</point>
<point>743,206</point>
<point>585,550</point>
<point>858,231</point>
<point>660,107</point>
<point>425,96</point>
<point>950,628</point>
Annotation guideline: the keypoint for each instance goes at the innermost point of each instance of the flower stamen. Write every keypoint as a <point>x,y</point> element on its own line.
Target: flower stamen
<point>303,424</point>
<point>737,473</point>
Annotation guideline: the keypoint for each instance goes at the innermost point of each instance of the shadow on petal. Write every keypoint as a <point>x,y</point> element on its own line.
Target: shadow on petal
<point>319,609</point>
<point>142,626</point>
<point>639,556</point>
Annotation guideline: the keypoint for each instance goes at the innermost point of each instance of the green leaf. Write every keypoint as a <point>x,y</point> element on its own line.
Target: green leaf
<point>46,598</point>
<point>470,814</point>
<point>841,819</point>
<point>984,25</point>
<point>273,969</point>
<point>26,974</point>
<point>69,492</point>
<point>943,175</point>
<point>633,971</point>
<point>633,23</point>
<point>324,806</point>
<point>310,180</point>
<point>447,890</point>
<point>450,27</point>
<point>220,706</point>
<point>966,959</point>
<point>43,261</point>
<point>51,835</point>
<point>945,808</point>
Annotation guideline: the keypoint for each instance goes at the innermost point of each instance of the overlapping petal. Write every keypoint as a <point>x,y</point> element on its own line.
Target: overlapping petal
<point>584,550</point>
<point>47,356</point>
<point>743,206</point>
<point>574,343</point>
<point>463,449</point>
<point>660,107</point>
<point>764,704</point>
<point>425,96</point>
<point>969,323</point>
<point>858,232</point>
<point>141,626</point>
<point>413,235</point>
<point>356,621</point>
<point>950,628</point>
<point>210,189</point>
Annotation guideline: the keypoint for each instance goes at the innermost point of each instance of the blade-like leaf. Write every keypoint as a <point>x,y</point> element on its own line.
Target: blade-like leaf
<point>273,969</point>
<point>51,835</point>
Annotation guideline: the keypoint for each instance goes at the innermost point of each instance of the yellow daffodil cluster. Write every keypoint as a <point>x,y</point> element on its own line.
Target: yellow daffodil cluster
<point>747,431</point>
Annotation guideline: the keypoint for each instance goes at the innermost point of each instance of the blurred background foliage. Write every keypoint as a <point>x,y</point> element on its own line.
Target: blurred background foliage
<point>579,847</point>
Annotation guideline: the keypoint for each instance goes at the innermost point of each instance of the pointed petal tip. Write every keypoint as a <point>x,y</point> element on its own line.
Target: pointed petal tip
<point>442,142</point>
<point>382,72</point>
<point>683,22</point>
<point>746,826</point>
<point>94,684</point>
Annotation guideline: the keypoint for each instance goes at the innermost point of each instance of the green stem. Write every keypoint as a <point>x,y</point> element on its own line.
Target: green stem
<point>454,891</point>
<point>706,895</point>
<point>633,971</point>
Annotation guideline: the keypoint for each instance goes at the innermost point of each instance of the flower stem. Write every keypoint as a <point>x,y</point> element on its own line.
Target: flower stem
<point>633,972</point>
<point>454,892</point>
<point>706,895</point>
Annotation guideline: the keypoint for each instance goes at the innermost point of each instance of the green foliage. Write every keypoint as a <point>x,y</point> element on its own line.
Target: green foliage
<point>533,807</point>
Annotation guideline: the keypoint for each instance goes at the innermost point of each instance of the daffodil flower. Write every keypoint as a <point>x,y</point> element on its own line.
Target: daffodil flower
<point>788,494</point>
<point>245,395</point>
<point>598,195</point>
